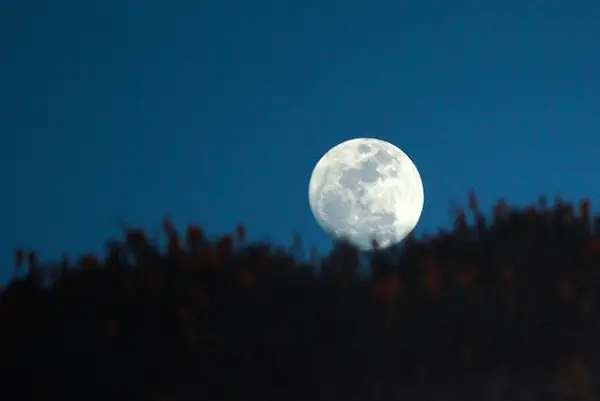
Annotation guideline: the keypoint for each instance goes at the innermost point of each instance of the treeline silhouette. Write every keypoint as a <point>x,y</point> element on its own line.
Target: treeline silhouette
<point>504,305</point>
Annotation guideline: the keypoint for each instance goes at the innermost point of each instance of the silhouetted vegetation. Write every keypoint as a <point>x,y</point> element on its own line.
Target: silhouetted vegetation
<point>508,298</point>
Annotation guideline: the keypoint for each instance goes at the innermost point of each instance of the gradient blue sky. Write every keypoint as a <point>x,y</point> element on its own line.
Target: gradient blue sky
<point>216,112</point>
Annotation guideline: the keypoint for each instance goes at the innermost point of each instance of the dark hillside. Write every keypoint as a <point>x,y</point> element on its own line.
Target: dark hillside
<point>505,304</point>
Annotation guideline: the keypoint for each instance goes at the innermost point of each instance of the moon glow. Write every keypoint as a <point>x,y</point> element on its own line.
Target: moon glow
<point>364,189</point>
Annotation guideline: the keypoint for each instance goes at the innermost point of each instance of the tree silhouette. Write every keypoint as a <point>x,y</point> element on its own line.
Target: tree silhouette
<point>506,303</point>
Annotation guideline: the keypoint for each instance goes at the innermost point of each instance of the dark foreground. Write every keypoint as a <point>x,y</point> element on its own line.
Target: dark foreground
<point>503,309</point>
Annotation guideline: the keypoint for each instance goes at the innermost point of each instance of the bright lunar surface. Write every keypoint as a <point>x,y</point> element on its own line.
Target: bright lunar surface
<point>365,189</point>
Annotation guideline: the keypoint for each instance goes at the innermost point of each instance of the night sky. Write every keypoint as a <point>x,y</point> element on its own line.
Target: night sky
<point>216,112</point>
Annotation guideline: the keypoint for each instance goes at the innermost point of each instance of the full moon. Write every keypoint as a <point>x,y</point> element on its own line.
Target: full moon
<point>365,189</point>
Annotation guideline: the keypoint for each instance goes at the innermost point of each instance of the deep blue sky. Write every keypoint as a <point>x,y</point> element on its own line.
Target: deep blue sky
<point>216,112</point>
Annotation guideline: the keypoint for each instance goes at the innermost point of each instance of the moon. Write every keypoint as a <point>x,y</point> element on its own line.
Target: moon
<point>365,189</point>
